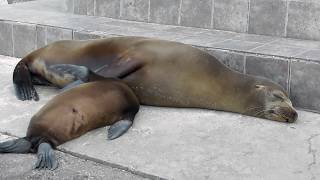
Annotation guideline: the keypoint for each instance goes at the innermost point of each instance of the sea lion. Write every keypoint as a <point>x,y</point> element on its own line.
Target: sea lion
<point>160,72</point>
<point>72,114</point>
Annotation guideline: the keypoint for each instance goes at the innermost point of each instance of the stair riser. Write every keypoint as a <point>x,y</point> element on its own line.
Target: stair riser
<point>282,18</point>
<point>298,76</point>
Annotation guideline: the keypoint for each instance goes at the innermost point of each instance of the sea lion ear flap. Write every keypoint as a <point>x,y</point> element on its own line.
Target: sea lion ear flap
<point>258,86</point>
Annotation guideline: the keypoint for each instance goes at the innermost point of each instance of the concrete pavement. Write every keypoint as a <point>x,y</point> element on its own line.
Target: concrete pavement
<point>19,167</point>
<point>177,143</point>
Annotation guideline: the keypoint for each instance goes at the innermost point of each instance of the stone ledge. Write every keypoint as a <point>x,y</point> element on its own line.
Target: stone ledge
<point>280,59</point>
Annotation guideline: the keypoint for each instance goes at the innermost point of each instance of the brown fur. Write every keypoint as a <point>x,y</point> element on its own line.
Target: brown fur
<point>166,73</point>
<point>81,109</point>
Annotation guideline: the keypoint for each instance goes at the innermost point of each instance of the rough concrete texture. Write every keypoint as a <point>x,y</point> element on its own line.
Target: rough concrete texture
<point>285,18</point>
<point>19,167</point>
<point>275,69</point>
<point>303,83</point>
<point>108,8</point>
<point>136,10</point>
<point>6,36</point>
<point>231,15</point>
<point>3,2</point>
<point>186,143</point>
<point>17,1</point>
<point>23,33</point>
<point>164,12</point>
<point>268,17</point>
<point>196,13</point>
<point>304,20</point>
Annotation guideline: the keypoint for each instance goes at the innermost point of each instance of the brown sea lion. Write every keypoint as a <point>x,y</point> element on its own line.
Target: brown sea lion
<point>161,73</point>
<point>72,114</point>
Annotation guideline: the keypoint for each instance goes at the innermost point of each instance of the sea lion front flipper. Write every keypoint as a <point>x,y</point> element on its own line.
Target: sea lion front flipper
<point>72,85</point>
<point>23,83</point>
<point>46,157</point>
<point>119,128</point>
<point>80,72</point>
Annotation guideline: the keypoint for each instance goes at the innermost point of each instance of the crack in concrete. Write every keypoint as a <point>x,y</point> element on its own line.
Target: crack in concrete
<point>105,163</point>
<point>313,153</point>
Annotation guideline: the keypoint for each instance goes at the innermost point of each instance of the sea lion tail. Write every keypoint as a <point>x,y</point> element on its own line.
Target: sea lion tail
<point>23,83</point>
<point>21,145</point>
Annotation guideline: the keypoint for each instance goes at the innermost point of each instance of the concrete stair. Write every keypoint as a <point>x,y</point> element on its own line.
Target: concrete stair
<point>282,18</point>
<point>180,143</point>
<point>292,63</point>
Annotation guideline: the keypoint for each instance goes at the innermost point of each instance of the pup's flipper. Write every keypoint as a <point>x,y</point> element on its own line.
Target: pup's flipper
<point>20,145</point>
<point>119,128</point>
<point>46,157</point>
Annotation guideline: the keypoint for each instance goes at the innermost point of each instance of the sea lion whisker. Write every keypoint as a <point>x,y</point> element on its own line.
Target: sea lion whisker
<point>254,108</point>
<point>284,117</point>
<point>258,114</point>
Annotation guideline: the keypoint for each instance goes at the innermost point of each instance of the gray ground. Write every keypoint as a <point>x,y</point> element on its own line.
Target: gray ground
<point>19,166</point>
<point>175,143</point>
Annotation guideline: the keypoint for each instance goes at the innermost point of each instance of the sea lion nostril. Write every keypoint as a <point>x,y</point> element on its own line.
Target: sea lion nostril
<point>294,115</point>
<point>271,111</point>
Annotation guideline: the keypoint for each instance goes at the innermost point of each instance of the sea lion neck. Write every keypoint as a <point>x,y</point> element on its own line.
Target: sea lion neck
<point>235,92</point>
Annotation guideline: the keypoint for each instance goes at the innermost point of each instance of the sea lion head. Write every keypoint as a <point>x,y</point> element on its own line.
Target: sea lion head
<point>270,101</point>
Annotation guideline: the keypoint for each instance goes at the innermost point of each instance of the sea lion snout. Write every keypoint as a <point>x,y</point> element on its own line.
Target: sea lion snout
<point>286,114</point>
<point>293,115</point>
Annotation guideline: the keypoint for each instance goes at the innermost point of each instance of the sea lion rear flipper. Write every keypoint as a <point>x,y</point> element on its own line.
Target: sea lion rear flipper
<point>119,128</point>
<point>23,84</point>
<point>46,157</point>
<point>39,80</point>
<point>20,145</point>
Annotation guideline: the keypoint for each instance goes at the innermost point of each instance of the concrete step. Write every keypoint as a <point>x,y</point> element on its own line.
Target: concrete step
<point>282,18</point>
<point>17,1</point>
<point>182,143</point>
<point>292,63</point>
<point>5,2</point>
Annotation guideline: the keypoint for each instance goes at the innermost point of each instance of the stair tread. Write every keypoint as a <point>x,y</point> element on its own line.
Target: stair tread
<point>258,44</point>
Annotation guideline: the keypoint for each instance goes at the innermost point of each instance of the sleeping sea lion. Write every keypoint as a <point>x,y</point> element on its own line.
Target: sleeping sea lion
<point>72,114</point>
<point>160,72</point>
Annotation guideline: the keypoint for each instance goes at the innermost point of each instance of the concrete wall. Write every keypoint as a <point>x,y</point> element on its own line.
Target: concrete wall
<point>284,18</point>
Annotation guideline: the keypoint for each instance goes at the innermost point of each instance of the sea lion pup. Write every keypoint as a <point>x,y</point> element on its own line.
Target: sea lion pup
<point>72,114</point>
<point>160,72</point>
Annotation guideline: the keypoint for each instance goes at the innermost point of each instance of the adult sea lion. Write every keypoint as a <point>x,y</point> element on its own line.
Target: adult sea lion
<point>161,73</point>
<point>72,114</point>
